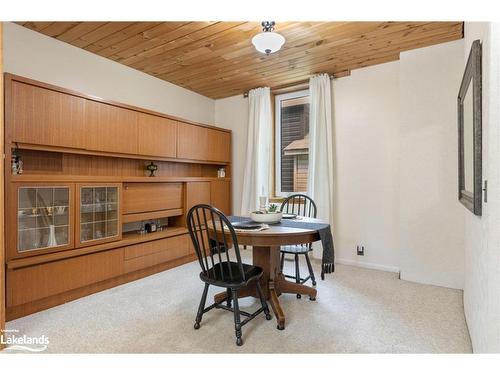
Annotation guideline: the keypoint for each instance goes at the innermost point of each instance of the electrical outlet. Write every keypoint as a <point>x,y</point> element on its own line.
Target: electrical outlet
<point>360,250</point>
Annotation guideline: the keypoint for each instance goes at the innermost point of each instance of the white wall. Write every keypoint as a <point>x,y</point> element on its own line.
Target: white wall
<point>33,55</point>
<point>395,164</point>
<point>232,113</point>
<point>482,234</point>
<point>431,218</point>
<point>366,121</point>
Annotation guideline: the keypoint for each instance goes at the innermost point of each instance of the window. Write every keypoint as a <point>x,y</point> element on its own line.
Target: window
<point>292,142</point>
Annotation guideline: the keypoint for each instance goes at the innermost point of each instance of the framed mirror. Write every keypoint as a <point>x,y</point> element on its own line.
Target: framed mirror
<point>469,133</point>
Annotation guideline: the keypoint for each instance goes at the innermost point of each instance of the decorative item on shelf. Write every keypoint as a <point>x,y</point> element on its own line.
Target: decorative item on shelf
<point>52,237</point>
<point>142,230</point>
<point>268,41</point>
<point>152,168</point>
<point>221,172</point>
<point>150,227</point>
<point>16,163</point>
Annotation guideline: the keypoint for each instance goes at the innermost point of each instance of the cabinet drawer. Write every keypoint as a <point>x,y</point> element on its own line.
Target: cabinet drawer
<point>44,280</point>
<point>151,196</point>
<point>149,254</point>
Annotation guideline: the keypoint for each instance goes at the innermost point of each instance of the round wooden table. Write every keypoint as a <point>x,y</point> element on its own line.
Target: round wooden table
<point>266,254</point>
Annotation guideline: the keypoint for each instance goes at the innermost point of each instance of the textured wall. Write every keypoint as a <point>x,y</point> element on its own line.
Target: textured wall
<point>430,216</point>
<point>366,121</point>
<point>232,113</point>
<point>482,234</point>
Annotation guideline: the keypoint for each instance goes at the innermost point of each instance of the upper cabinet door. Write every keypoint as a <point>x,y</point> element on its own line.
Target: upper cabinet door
<point>157,136</point>
<point>192,142</point>
<point>200,143</point>
<point>111,128</point>
<point>46,117</point>
<point>219,145</point>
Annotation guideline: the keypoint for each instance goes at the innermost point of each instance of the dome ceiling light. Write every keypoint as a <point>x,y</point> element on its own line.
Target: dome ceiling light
<point>268,41</point>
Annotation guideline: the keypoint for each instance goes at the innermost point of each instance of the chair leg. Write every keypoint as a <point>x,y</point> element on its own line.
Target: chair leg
<point>263,301</point>
<point>229,297</point>
<point>311,272</point>
<point>199,315</point>
<point>297,272</point>
<point>237,322</point>
<point>282,261</point>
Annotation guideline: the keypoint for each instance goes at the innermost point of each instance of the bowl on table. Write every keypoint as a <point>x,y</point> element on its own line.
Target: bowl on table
<point>266,217</point>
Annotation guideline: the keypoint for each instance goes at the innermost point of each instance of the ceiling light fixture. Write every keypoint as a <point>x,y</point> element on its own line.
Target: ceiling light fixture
<point>268,41</point>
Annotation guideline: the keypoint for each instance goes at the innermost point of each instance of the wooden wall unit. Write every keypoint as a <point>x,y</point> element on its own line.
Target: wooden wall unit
<point>14,218</point>
<point>220,195</point>
<point>36,110</point>
<point>151,196</point>
<point>156,136</point>
<point>63,120</point>
<point>68,139</point>
<point>199,143</point>
<point>110,128</point>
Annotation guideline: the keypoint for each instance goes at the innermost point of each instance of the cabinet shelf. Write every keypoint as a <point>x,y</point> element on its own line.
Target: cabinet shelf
<point>105,179</point>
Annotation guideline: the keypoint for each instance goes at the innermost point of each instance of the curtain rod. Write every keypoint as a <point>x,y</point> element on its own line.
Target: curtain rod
<point>302,83</point>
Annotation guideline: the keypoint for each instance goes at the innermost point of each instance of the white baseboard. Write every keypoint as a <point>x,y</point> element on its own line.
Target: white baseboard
<point>373,266</point>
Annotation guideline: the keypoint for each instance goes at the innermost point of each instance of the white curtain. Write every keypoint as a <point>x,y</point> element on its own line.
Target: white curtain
<point>320,177</point>
<point>257,166</point>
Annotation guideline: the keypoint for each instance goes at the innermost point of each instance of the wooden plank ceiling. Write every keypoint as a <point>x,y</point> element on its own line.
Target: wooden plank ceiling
<point>217,59</point>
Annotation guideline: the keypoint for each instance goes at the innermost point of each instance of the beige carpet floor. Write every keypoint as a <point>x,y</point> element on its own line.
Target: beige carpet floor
<point>357,311</point>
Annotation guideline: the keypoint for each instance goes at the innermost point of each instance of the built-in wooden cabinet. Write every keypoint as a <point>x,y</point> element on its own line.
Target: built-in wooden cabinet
<point>40,219</point>
<point>219,146</point>
<point>46,117</point>
<point>149,254</point>
<point>200,143</point>
<point>73,216</point>
<point>151,196</point>
<point>98,213</point>
<point>111,128</point>
<point>192,142</point>
<point>157,136</point>
<point>197,193</point>
<point>40,281</point>
<point>220,195</point>
<point>216,193</point>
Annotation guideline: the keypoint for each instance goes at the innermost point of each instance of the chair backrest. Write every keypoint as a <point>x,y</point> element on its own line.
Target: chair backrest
<point>213,235</point>
<point>299,204</point>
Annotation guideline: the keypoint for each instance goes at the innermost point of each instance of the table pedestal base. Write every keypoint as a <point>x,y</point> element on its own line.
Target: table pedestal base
<point>273,282</point>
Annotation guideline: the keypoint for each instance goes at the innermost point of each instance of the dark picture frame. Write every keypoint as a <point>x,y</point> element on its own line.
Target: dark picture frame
<point>472,79</point>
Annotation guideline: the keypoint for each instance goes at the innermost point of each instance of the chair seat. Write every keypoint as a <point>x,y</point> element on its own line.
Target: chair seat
<point>295,249</point>
<point>221,276</point>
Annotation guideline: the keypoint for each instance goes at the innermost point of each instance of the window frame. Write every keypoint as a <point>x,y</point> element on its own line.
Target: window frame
<point>277,140</point>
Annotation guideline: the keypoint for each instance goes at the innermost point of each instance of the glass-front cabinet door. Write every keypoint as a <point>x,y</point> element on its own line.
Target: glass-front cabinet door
<point>98,213</point>
<point>44,218</point>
